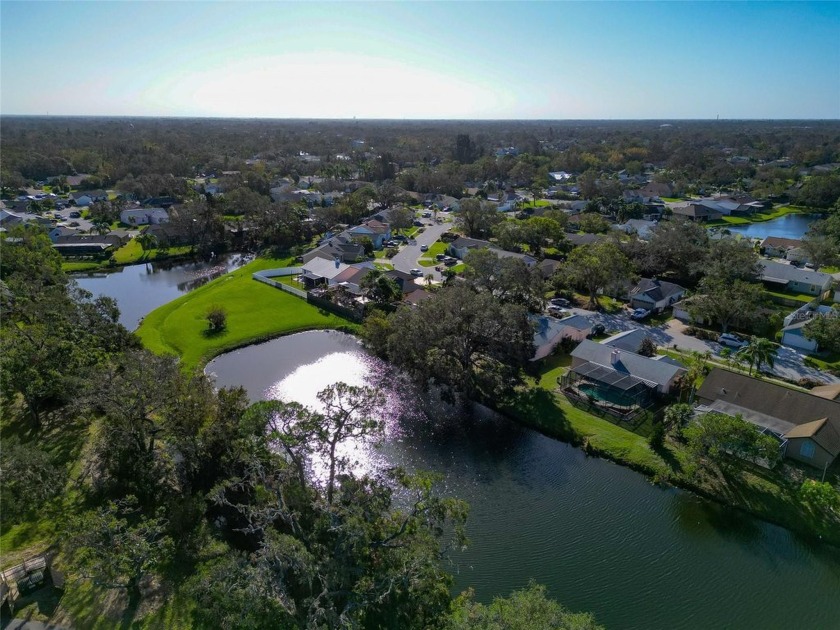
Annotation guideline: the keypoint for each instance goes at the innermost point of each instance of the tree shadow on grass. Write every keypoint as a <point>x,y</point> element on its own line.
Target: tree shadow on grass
<point>538,408</point>
<point>212,333</point>
<point>668,456</point>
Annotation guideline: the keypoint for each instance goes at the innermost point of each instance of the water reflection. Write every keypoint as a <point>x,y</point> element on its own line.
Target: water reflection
<point>600,536</point>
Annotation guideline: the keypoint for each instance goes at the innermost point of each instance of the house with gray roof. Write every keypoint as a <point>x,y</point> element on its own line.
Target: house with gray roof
<point>624,371</point>
<point>462,245</point>
<point>780,276</point>
<point>341,247</point>
<point>793,331</point>
<point>807,426</point>
<point>628,340</point>
<point>655,295</point>
<point>550,331</point>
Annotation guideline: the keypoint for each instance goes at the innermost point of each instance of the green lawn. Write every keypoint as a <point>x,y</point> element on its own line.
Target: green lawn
<point>132,253</point>
<point>799,297</point>
<point>255,312</point>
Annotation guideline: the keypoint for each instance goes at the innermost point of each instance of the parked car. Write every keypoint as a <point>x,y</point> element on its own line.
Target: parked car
<point>427,215</point>
<point>440,257</point>
<point>424,248</point>
<point>561,302</point>
<point>417,272</point>
<point>558,311</point>
<point>639,314</point>
<point>732,341</point>
<point>418,224</point>
<point>75,215</point>
<point>400,237</point>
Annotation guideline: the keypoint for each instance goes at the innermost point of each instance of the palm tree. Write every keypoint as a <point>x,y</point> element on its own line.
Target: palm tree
<point>101,225</point>
<point>757,351</point>
<point>147,241</point>
<point>698,365</point>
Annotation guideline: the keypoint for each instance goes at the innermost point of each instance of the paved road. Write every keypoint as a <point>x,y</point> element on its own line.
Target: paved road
<point>789,363</point>
<point>406,259</point>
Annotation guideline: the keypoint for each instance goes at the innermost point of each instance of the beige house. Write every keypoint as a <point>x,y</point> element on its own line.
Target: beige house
<point>807,426</point>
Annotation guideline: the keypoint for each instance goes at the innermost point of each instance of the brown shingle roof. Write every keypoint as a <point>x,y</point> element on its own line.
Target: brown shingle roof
<point>796,407</point>
<point>809,429</point>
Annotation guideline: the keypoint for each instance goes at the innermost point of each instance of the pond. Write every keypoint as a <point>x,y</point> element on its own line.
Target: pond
<point>599,536</point>
<point>788,226</point>
<point>140,289</point>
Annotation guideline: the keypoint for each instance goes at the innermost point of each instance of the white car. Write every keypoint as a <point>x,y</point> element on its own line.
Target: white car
<point>732,341</point>
<point>417,272</point>
<point>424,248</point>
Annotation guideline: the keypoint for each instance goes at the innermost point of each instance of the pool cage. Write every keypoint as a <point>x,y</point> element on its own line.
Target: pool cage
<point>617,393</point>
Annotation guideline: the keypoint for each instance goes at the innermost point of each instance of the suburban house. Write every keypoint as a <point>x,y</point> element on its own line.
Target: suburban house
<point>549,331</point>
<point>807,426</point>
<point>697,211</point>
<point>9,218</point>
<point>462,245</point>
<point>59,231</point>
<point>655,295</point>
<point>144,216</point>
<point>655,189</point>
<point>788,248</point>
<point>793,332</point>
<point>341,247</point>
<point>159,202</point>
<point>86,244</point>
<point>576,240</point>
<point>376,231</point>
<point>642,228</point>
<point>628,341</point>
<point>784,277</point>
<point>416,296</point>
<point>559,176</point>
<point>351,277</point>
<point>85,198</point>
<point>624,374</point>
<point>320,272</point>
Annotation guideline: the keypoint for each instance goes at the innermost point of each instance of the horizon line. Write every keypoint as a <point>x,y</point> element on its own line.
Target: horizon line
<point>357,119</point>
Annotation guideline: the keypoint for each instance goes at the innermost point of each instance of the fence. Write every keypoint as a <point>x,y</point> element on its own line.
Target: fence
<point>266,276</point>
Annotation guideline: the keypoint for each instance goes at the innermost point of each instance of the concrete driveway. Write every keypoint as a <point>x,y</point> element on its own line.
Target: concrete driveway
<point>788,363</point>
<point>406,259</point>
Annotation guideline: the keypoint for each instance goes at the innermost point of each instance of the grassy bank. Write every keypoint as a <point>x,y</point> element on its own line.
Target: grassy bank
<point>255,312</point>
<point>129,254</point>
<point>758,217</point>
<point>769,495</point>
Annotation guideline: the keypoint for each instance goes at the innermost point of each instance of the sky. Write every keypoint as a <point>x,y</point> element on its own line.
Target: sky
<point>422,60</point>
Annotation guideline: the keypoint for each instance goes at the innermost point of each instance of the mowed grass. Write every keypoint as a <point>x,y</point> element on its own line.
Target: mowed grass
<point>255,312</point>
<point>429,260</point>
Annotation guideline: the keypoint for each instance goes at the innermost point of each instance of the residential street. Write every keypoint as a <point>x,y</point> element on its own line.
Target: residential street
<point>788,364</point>
<point>406,259</point>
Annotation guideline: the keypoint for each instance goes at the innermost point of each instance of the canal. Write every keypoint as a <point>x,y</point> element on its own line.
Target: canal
<point>599,536</point>
<point>140,289</point>
<point>788,226</point>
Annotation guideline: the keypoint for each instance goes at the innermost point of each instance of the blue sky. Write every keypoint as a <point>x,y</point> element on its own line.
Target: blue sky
<point>551,60</point>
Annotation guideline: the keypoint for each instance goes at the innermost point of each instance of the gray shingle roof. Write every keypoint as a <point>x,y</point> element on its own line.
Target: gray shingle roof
<point>779,271</point>
<point>630,363</point>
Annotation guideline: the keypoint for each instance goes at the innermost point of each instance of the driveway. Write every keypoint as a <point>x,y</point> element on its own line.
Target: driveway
<point>406,259</point>
<point>788,363</point>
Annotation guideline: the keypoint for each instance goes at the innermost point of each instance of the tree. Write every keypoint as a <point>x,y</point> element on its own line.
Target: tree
<point>477,218</point>
<point>380,288</point>
<point>697,365</point>
<point>216,318</point>
<point>825,330</point>
<point>147,241</point>
<point>674,248</point>
<point>821,250</point>
<point>647,348</point>
<point>526,609</point>
<point>757,352</point>
<point>469,342</point>
<point>114,546</point>
<point>102,225</point>
<point>508,279</point>
<point>595,266</point>
<point>592,223</point>
<point>677,417</point>
<point>821,495</point>
<point>714,436</point>
<point>30,478</point>
<point>400,218</point>
<point>730,260</point>
<point>725,302</point>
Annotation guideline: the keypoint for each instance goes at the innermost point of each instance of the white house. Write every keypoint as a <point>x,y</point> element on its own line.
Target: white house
<point>144,216</point>
<point>793,332</point>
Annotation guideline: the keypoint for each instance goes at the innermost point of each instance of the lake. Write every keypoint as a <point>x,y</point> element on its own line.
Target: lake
<point>601,537</point>
<point>788,226</point>
<point>140,289</point>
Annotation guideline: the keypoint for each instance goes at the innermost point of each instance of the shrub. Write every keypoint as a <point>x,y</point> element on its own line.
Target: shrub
<point>216,318</point>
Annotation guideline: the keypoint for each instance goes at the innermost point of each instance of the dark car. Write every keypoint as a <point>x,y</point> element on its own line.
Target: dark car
<point>75,215</point>
<point>597,329</point>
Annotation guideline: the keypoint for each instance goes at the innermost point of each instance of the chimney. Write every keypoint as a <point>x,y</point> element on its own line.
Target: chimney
<point>337,262</point>
<point>615,357</point>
